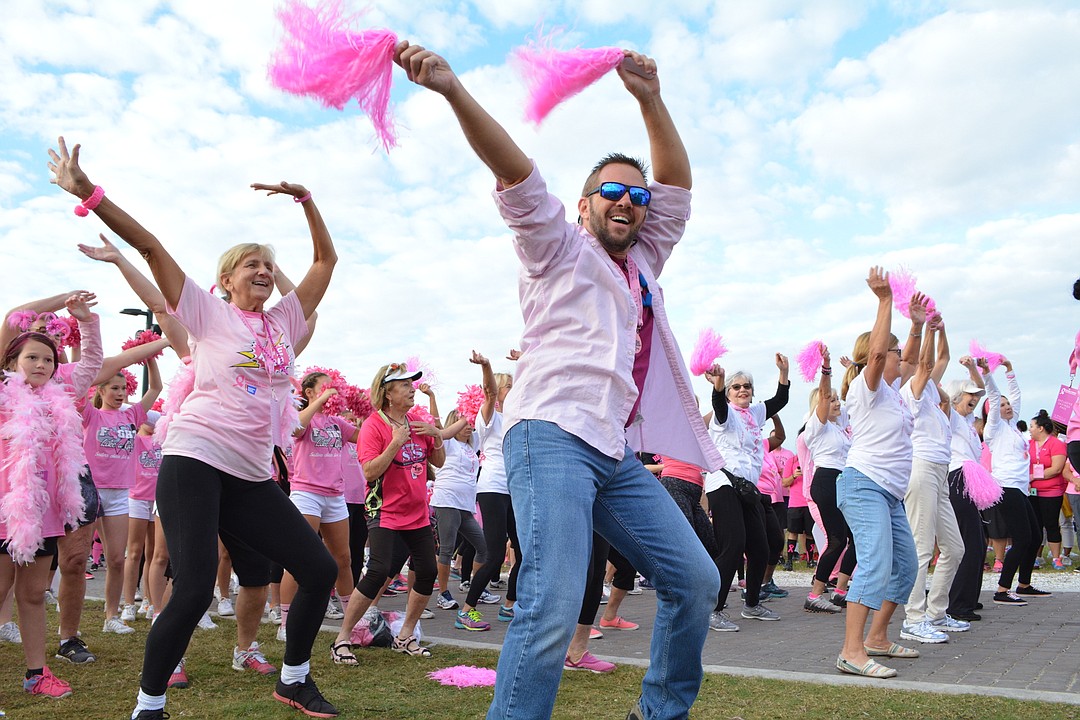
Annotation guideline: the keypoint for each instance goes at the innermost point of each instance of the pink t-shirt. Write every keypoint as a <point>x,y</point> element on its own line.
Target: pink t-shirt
<point>1044,457</point>
<point>242,381</point>
<point>109,443</point>
<point>769,480</point>
<point>797,499</point>
<point>352,475</point>
<point>1073,432</point>
<point>317,455</point>
<point>147,462</point>
<point>682,471</point>
<point>398,499</point>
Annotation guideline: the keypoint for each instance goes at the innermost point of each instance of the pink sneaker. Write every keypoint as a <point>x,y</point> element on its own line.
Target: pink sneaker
<point>617,624</point>
<point>48,685</point>
<point>997,566</point>
<point>179,678</point>
<point>595,634</point>
<point>589,662</point>
<point>252,659</point>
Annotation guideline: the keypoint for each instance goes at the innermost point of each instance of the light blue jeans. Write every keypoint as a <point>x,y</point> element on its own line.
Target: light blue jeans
<point>888,562</point>
<point>563,489</point>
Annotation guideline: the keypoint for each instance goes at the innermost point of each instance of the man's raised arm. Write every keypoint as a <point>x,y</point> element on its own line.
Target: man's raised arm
<point>670,163</point>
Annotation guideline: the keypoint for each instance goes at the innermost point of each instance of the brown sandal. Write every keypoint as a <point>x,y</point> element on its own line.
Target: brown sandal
<point>341,653</point>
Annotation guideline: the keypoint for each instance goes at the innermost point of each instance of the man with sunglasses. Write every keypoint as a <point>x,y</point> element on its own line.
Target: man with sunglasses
<point>600,372</point>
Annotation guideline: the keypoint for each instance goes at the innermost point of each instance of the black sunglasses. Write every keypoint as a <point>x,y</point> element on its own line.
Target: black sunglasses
<point>614,191</point>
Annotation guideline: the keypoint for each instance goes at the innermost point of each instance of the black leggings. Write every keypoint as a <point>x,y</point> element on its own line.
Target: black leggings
<point>196,503</point>
<point>967,583</point>
<point>1048,513</point>
<point>740,529</point>
<point>357,538</point>
<point>1026,537</point>
<point>602,552</point>
<point>837,532</point>
<point>687,496</point>
<point>385,559</point>
<point>499,525</point>
<point>774,533</point>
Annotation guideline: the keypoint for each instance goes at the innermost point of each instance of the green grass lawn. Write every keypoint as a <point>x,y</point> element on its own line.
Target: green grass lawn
<point>388,685</point>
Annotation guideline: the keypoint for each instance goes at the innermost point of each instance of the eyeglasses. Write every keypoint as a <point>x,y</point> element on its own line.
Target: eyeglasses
<point>896,350</point>
<point>746,386</point>
<point>614,191</point>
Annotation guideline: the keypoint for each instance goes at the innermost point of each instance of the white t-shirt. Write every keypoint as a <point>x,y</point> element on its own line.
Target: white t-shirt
<point>1008,447</point>
<point>827,442</point>
<point>226,420</point>
<point>492,469</point>
<point>965,444</point>
<point>455,481</point>
<point>931,437</point>
<point>739,442</point>
<point>881,426</point>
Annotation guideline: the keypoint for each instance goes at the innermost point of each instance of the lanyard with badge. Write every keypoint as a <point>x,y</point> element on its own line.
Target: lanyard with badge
<point>272,357</point>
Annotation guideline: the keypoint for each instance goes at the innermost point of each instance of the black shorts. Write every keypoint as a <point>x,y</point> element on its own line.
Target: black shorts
<point>48,549</point>
<point>799,520</point>
<point>998,527</point>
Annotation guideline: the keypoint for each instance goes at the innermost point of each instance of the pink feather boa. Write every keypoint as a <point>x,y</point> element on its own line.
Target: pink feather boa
<point>708,349</point>
<point>464,676</point>
<point>810,360</point>
<point>180,387</point>
<point>553,75</point>
<point>469,402</point>
<point>993,360</point>
<point>40,426</point>
<point>320,56</point>
<point>980,486</point>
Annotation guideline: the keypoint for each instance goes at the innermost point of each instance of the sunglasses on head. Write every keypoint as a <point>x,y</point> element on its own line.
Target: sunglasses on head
<point>614,191</point>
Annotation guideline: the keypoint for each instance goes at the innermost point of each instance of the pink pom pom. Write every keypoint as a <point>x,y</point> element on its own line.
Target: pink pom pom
<point>158,404</point>
<point>81,211</point>
<point>429,377</point>
<point>131,383</point>
<point>464,676</point>
<point>708,349</point>
<point>142,338</point>
<point>74,337</point>
<point>810,360</point>
<point>22,320</point>
<point>421,414</point>
<point>469,402</point>
<point>980,486</point>
<point>553,75</point>
<point>902,283</point>
<point>993,360</point>
<point>322,58</point>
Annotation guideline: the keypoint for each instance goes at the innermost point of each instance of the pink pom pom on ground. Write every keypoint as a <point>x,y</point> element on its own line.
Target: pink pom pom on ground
<point>810,360</point>
<point>554,75</point>
<point>708,349</point>
<point>321,57</point>
<point>464,676</point>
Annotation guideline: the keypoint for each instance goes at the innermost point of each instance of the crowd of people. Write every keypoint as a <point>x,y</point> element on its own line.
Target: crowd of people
<point>596,441</point>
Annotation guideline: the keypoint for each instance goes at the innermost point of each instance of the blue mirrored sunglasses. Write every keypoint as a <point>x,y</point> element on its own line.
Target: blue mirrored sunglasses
<point>613,191</point>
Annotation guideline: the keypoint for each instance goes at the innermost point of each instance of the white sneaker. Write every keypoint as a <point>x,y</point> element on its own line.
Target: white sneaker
<point>950,624</point>
<point>9,633</point>
<point>150,614</point>
<point>332,613</point>
<point>281,632</point>
<point>205,623</point>
<point>138,594</point>
<point>427,614</point>
<point>128,614</point>
<point>275,614</point>
<point>636,591</point>
<point>145,606</point>
<point>922,632</point>
<point>116,625</point>
<point>225,608</point>
<point>446,601</point>
<point>487,598</point>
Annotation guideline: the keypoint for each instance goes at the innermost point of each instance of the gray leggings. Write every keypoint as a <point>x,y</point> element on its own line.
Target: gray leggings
<point>452,521</point>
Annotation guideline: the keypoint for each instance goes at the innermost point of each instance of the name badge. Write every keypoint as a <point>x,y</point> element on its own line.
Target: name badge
<point>1038,471</point>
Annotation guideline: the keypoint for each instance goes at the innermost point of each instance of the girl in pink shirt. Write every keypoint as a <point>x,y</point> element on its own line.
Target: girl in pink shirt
<point>109,431</point>
<point>146,461</point>
<point>317,482</point>
<point>40,462</point>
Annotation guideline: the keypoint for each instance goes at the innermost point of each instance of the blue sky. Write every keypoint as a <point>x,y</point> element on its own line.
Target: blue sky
<point>825,137</point>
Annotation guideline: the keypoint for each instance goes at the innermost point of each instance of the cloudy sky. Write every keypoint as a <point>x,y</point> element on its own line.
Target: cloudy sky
<point>825,137</point>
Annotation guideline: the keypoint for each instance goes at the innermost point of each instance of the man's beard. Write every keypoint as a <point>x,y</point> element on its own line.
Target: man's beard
<point>599,230</point>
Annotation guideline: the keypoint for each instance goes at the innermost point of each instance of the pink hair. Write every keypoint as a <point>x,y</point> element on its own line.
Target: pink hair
<point>708,349</point>
<point>553,75</point>
<point>810,360</point>
<point>321,57</point>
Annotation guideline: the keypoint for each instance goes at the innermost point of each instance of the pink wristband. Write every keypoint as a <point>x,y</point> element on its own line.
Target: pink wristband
<point>83,209</point>
<point>302,199</point>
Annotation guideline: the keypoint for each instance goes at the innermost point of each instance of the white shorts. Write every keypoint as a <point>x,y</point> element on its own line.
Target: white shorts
<point>114,501</point>
<point>328,509</point>
<point>141,509</point>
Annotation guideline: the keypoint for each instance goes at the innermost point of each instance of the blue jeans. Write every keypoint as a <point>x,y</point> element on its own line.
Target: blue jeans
<point>563,489</point>
<point>887,558</point>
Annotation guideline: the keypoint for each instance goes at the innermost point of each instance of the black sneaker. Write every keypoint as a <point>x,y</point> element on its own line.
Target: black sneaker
<point>74,651</point>
<point>152,715</point>
<point>1032,590</point>
<point>966,616</point>
<point>1008,598</point>
<point>978,606</point>
<point>305,697</point>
